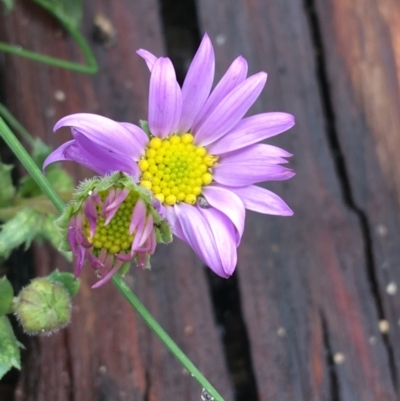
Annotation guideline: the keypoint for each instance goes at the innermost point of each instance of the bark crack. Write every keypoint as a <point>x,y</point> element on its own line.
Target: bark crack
<point>343,175</point>
<point>69,365</point>
<point>334,386</point>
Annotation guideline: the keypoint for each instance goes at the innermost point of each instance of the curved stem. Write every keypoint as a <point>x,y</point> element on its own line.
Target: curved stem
<point>90,68</point>
<point>29,164</point>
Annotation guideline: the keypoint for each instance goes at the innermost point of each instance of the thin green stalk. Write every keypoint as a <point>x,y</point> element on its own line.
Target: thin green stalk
<point>90,68</point>
<point>163,336</point>
<point>23,156</point>
<point>36,174</point>
<point>16,125</point>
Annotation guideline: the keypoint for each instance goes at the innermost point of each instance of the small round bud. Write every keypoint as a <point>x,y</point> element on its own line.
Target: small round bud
<point>43,307</point>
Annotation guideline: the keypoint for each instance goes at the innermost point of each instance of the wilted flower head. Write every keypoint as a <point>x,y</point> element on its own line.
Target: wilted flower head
<point>197,155</point>
<point>112,222</point>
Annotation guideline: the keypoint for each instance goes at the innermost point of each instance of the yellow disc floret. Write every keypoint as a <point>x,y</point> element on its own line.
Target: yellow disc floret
<point>115,235</point>
<point>175,169</point>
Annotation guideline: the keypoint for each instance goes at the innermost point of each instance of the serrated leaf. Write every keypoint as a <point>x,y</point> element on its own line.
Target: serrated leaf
<point>67,11</point>
<point>8,4</point>
<point>21,229</point>
<point>50,232</point>
<point>6,295</point>
<point>67,280</point>
<point>9,347</point>
<point>7,191</point>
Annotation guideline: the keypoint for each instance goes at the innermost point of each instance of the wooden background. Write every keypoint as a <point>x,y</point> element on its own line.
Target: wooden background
<point>300,318</point>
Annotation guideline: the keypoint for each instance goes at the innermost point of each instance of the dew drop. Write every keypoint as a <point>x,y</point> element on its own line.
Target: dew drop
<point>205,396</point>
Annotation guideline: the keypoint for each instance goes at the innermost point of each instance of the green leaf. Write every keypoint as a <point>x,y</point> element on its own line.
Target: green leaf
<point>40,151</point>
<point>67,280</point>
<point>68,12</point>
<point>9,347</point>
<point>7,191</point>
<point>145,127</point>
<point>22,228</point>
<point>59,178</point>
<point>6,295</point>
<point>8,4</point>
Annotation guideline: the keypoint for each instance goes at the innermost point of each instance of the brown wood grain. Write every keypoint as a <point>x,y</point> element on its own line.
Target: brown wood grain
<point>107,352</point>
<point>308,298</point>
<point>362,53</point>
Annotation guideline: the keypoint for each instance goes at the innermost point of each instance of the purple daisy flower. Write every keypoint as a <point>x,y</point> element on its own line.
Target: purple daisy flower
<point>200,158</point>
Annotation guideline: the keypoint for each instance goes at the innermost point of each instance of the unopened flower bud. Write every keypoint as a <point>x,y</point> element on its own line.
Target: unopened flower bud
<point>111,222</point>
<point>43,307</point>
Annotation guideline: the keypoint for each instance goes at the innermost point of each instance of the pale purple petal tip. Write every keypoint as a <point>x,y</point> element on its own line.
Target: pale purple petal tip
<point>251,130</point>
<point>58,154</point>
<point>197,84</point>
<point>253,164</point>
<point>112,205</point>
<point>211,235</point>
<point>148,57</point>
<point>108,276</point>
<point>90,210</point>
<point>262,201</point>
<point>165,99</point>
<point>229,204</point>
<point>235,75</point>
<point>231,109</point>
<point>138,216</point>
<point>103,131</point>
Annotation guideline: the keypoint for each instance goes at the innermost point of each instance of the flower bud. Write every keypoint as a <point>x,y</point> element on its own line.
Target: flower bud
<point>110,223</point>
<point>43,307</point>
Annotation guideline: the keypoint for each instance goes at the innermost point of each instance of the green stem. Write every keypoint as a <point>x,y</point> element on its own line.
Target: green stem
<point>36,174</point>
<point>16,125</point>
<point>29,164</point>
<point>90,68</point>
<point>163,336</point>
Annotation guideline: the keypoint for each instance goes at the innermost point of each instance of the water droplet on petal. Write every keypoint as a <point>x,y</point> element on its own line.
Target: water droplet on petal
<point>205,396</point>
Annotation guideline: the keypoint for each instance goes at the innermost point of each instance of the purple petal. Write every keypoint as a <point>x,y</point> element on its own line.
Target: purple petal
<point>235,75</point>
<point>252,130</point>
<point>197,84</point>
<point>72,152</point>
<point>229,204</point>
<point>108,276</point>
<point>253,164</point>
<point>90,210</point>
<point>139,135</point>
<point>112,207</point>
<point>59,154</point>
<point>148,228</point>
<point>100,159</point>
<point>211,235</point>
<point>174,222</point>
<point>231,109</point>
<point>103,131</point>
<point>165,99</point>
<point>262,201</point>
<point>148,57</point>
<point>138,216</point>
<point>260,151</point>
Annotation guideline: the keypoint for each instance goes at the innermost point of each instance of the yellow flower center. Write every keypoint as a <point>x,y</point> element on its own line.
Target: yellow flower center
<point>175,169</point>
<point>115,235</point>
